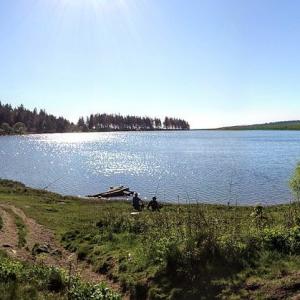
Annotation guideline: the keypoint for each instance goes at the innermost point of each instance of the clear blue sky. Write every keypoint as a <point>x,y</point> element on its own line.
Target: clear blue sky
<point>212,62</point>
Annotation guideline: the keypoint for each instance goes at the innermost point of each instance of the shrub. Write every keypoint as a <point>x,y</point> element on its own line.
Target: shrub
<point>86,291</point>
<point>7,129</point>
<point>55,281</point>
<point>239,250</point>
<point>70,235</point>
<point>9,270</point>
<point>19,128</point>
<point>83,252</point>
<point>295,182</point>
<point>283,240</point>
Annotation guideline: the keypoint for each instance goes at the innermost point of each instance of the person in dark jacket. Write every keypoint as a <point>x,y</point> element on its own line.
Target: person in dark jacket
<point>137,203</point>
<point>153,205</point>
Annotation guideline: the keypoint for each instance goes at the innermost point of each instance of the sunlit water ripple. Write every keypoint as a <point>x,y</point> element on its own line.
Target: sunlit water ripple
<point>207,166</point>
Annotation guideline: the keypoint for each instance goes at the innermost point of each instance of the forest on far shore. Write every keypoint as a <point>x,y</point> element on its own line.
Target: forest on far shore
<point>19,120</point>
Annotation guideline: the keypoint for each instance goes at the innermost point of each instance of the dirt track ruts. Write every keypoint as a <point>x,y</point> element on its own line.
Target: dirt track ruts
<point>38,234</point>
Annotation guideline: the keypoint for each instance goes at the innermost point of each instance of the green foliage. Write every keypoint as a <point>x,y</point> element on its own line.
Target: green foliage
<point>259,217</point>
<point>18,120</point>
<point>9,269</point>
<point>281,239</point>
<point>19,128</point>
<point>83,252</point>
<point>18,291</point>
<point>295,182</point>
<point>56,281</point>
<point>17,278</point>
<point>6,128</point>
<point>22,232</point>
<point>86,291</point>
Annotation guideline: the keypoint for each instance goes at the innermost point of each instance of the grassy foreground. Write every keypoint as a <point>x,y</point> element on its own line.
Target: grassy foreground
<point>20,280</point>
<point>182,252</point>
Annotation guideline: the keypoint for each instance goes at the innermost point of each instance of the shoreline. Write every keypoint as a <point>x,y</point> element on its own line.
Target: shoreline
<point>156,130</point>
<point>102,131</point>
<point>128,199</point>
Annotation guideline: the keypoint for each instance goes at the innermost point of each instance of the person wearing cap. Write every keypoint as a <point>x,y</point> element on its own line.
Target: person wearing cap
<point>153,205</point>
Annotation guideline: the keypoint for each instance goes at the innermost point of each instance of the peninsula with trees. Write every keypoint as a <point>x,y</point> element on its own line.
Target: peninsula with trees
<point>19,120</point>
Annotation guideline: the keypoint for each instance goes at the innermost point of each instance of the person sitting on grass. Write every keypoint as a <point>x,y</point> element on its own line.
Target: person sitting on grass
<point>153,205</point>
<point>137,203</point>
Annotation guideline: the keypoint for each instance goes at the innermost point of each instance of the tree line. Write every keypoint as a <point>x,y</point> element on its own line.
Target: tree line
<point>103,122</point>
<point>19,120</point>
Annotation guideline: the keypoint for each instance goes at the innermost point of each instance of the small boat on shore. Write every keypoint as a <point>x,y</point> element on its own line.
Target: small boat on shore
<point>118,191</point>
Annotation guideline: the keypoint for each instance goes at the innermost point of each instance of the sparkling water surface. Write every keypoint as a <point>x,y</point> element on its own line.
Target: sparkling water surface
<point>242,167</point>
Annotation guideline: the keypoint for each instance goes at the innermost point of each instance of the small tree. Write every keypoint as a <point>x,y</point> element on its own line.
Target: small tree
<point>7,129</point>
<point>19,128</point>
<point>295,182</point>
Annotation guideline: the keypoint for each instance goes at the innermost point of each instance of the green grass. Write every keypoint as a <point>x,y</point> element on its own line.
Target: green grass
<point>20,281</point>
<point>22,232</point>
<point>183,252</point>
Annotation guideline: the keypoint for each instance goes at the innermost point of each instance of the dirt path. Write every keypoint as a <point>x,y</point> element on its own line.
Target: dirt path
<point>37,234</point>
<point>8,234</point>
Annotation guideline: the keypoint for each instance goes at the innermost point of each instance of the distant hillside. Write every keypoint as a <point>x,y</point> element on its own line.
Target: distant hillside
<point>283,125</point>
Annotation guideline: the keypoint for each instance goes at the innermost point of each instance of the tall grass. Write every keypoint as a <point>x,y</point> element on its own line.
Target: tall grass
<point>185,246</point>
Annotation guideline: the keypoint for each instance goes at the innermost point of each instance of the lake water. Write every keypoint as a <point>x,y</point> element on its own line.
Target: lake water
<point>206,166</point>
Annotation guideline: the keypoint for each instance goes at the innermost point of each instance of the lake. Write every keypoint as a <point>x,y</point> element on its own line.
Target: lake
<point>242,167</point>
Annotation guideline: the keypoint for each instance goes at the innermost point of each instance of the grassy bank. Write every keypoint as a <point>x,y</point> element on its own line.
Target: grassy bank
<point>182,252</point>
